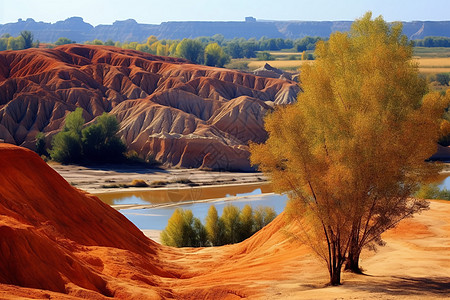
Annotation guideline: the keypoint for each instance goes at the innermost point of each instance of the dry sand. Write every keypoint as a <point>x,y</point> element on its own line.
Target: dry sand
<point>414,264</point>
<point>97,179</point>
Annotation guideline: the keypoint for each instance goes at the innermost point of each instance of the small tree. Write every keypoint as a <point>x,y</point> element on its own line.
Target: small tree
<point>27,37</point>
<point>191,50</point>
<point>215,56</point>
<point>74,121</point>
<point>230,218</point>
<point>246,220</point>
<point>64,41</point>
<point>263,216</point>
<point>100,141</point>
<point>214,227</point>
<point>200,233</point>
<point>40,144</point>
<point>175,232</point>
<point>66,145</point>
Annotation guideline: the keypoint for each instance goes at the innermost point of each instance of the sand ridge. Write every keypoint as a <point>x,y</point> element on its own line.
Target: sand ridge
<point>60,242</point>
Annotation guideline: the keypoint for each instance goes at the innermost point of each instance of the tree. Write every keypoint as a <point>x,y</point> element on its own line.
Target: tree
<point>215,56</point>
<point>246,220</point>
<point>40,144</point>
<point>74,121</point>
<point>96,142</point>
<point>262,217</point>
<point>66,145</point>
<point>64,41</point>
<point>352,150</point>
<point>230,217</point>
<point>191,50</point>
<point>234,50</point>
<point>175,232</point>
<point>27,37</point>
<point>214,227</point>
<point>15,43</point>
<point>200,234</point>
<point>100,141</point>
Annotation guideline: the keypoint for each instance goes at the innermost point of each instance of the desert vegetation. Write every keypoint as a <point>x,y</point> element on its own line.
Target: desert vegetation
<point>96,142</point>
<point>349,177</point>
<point>234,226</point>
<point>25,40</point>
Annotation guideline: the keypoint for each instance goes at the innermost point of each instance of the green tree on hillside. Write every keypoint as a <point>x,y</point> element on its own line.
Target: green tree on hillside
<point>352,150</point>
<point>97,142</point>
<point>191,50</point>
<point>27,37</point>
<point>66,145</point>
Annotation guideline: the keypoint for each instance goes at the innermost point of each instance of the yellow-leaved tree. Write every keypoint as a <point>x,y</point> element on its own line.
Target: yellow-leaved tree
<point>352,150</point>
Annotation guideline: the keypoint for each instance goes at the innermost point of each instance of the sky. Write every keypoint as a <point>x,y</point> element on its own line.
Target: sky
<point>155,12</point>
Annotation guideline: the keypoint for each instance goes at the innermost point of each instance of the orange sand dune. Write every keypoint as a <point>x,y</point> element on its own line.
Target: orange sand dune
<point>185,115</point>
<point>61,243</point>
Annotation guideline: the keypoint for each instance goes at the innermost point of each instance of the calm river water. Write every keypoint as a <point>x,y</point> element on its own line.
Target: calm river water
<point>191,198</point>
<point>157,217</point>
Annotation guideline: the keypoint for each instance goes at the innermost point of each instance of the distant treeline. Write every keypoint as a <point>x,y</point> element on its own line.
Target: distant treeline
<point>25,40</point>
<point>433,41</point>
<point>211,51</point>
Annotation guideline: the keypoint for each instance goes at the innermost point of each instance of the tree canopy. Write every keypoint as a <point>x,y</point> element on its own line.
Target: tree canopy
<point>97,142</point>
<point>353,149</point>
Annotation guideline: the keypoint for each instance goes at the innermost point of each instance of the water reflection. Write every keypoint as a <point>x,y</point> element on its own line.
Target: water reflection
<point>156,218</point>
<point>161,196</point>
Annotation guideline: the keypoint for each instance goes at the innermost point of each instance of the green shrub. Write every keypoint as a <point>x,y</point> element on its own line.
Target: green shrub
<point>66,147</point>
<point>40,144</point>
<point>432,191</point>
<point>96,142</point>
<point>264,56</point>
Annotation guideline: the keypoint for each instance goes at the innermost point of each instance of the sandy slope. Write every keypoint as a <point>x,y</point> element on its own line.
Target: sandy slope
<point>57,242</point>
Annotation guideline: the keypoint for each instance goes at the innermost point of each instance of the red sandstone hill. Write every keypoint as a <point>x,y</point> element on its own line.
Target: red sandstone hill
<point>56,238</point>
<point>184,115</point>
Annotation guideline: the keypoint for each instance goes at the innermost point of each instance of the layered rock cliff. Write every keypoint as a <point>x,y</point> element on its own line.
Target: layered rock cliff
<point>75,28</point>
<point>182,114</point>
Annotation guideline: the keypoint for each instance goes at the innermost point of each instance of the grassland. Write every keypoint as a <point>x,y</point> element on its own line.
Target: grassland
<point>431,61</point>
<point>433,65</point>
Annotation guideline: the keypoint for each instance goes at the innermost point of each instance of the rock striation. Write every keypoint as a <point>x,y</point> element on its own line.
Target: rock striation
<point>181,114</point>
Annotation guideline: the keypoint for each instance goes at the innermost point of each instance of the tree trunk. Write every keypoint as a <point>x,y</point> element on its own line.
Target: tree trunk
<point>352,262</point>
<point>335,276</point>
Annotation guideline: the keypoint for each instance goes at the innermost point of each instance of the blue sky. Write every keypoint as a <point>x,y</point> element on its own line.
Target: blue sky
<point>155,12</point>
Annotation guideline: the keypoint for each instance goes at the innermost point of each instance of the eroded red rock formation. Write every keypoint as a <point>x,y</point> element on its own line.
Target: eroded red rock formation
<point>182,114</point>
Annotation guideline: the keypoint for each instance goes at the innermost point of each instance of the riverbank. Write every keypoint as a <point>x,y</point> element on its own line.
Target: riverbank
<point>114,178</point>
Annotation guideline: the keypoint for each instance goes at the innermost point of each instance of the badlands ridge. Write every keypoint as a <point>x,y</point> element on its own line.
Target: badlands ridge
<point>181,114</point>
